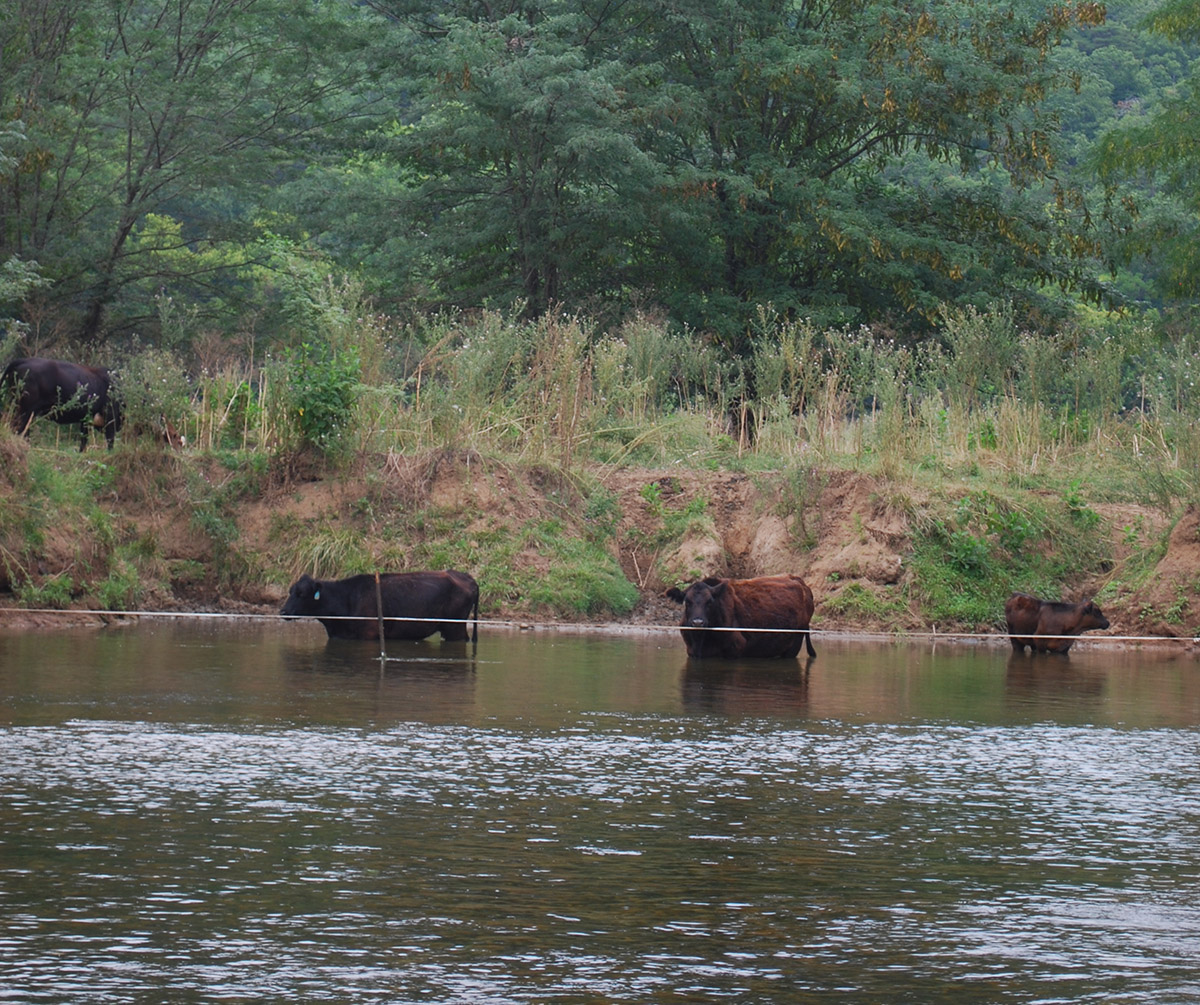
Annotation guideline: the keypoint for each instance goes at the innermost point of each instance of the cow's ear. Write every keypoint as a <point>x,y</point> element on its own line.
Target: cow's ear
<point>718,589</point>
<point>674,593</point>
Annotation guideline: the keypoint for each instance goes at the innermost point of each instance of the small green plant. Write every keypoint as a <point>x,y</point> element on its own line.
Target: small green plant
<point>1011,528</point>
<point>53,592</point>
<point>1175,611</point>
<point>800,500</point>
<point>321,386</point>
<point>121,590</point>
<point>966,552</point>
<point>652,493</point>
<point>985,436</point>
<point>601,515</point>
<point>692,516</point>
<point>249,471</point>
<point>1081,514</point>
<point>210,517</point>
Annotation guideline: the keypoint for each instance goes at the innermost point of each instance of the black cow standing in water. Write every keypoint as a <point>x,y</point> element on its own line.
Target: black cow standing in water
<point>66,392</point>
<point>428,601</point>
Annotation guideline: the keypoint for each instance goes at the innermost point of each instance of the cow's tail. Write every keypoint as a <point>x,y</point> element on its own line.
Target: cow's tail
<point>475,620</point>
<point>808,643</point>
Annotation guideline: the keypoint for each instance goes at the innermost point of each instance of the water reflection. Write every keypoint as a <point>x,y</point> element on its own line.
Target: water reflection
<point>746,687</point>
<point>261,814</point>
<point>346,682</point>
<point>1039,678</point>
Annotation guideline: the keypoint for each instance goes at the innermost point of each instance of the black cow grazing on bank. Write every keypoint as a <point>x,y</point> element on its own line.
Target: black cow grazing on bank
<point>782,603</point>
<point>66,392</point>
<point>1030,620</point>
<point>439,601</point>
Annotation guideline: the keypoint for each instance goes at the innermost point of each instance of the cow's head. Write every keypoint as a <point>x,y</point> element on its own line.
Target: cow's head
<point>703,603</point>
<point>303,597</point>
<point>1092,617</point>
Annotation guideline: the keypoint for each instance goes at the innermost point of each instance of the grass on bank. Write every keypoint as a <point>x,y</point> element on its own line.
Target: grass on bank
<point>996,443</point>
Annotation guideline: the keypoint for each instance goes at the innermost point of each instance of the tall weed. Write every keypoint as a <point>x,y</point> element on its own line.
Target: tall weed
<point>981,394</point>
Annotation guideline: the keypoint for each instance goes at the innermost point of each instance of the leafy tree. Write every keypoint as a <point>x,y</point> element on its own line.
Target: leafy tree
<point>521,141</point>
<point>166,109</point>
<point>868,158</point>
<point>1149,161</point>
<point>838,159</point>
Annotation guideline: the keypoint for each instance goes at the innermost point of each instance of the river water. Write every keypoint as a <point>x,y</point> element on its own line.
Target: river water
<point>245,812</point>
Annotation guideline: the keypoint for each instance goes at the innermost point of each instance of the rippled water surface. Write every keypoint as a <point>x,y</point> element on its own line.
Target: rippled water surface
<point>247,813</point>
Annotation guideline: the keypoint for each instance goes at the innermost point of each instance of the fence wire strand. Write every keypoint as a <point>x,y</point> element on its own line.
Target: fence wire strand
<point>614,627</point>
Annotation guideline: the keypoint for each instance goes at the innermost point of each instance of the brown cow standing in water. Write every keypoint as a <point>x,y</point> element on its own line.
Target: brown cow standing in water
<point>1030,620</point>
<point>717,612</point>
<point>66,392</point>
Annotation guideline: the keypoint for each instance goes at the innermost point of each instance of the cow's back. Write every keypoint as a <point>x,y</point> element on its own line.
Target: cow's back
<point>430,593</point>
<point>784,604</point>
<point>50,378</point>
<point>772,602</point>
<point>442,601</point>
<point>1021,613</point>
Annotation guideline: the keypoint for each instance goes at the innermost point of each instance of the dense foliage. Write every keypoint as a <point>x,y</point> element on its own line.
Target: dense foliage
<point>1148,161</point>
<point>189,172</point>
<point>803,235</point>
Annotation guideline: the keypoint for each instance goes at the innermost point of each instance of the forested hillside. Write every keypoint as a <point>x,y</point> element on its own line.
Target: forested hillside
<point>176,168</point>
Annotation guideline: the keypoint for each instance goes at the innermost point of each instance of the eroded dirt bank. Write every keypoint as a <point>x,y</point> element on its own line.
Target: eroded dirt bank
<point>842,531</point>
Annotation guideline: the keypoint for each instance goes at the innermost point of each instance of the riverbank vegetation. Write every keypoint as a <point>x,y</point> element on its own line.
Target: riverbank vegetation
<point>593,301</point>
<point>577,471</point>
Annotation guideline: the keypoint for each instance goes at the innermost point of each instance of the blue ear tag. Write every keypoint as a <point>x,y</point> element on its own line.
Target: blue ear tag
<point>317,595</point>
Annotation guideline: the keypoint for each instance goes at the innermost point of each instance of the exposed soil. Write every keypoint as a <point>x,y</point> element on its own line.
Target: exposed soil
<point>848,532</point>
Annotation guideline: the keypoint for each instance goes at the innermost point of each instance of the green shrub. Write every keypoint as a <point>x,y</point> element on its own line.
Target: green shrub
<point>53,592</point>
<point>581,578</point>
<point>321,386</point>
<point>121,589</point>
<point>971,553</point>
<point>153,387</point>
<point>856,601</point>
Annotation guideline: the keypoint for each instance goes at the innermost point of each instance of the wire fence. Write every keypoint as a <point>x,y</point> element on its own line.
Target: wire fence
<point>613,627</point>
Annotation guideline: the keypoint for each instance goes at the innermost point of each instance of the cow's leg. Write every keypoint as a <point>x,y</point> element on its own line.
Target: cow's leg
<point>84,428</point>
<point>452,631</point>
<point>23,422</point>
<point>733,644</point>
